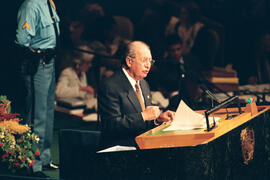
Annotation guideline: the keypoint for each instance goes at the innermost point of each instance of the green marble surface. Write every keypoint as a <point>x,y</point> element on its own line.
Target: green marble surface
<point>161,131</point>
<point>219,159</point>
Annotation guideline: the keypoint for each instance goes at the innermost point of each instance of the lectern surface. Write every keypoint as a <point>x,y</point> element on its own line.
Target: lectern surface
<point>157,138</point>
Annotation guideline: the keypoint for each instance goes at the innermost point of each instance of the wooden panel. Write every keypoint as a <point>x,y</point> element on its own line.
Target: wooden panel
<point>174,139</point>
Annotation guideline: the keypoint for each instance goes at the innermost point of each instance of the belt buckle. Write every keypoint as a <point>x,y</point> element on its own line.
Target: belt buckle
<point>39,51</point>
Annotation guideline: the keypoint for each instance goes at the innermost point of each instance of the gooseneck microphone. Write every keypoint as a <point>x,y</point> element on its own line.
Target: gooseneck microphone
<point>209,93</point>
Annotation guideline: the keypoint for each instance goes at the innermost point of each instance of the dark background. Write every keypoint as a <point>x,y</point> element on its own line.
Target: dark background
<point>243,21</point>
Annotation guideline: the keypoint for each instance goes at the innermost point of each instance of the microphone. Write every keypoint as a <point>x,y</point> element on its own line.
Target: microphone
<point>213,97</point>
<point>220,104</point>
<point>209,93</point>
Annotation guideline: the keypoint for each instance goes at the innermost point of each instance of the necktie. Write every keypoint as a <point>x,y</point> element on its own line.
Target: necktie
<point>139,95</point>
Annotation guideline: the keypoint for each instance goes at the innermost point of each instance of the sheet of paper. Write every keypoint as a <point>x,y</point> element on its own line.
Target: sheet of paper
<point>118,148</point>
<point>186,119</point>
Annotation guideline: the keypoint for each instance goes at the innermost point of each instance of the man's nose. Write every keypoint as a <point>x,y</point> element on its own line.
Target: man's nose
<point>147,64</point>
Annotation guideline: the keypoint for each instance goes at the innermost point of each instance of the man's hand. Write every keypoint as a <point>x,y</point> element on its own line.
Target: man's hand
<point>166,116</point>
<point>151,113</point>
<point>88,89</point>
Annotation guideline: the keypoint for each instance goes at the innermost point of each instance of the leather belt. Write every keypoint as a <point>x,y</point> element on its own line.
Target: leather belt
<point>45,54</point>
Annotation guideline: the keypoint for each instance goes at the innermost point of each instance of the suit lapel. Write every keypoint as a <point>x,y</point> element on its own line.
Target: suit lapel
<point>134,100</point>
<point>131,95</point>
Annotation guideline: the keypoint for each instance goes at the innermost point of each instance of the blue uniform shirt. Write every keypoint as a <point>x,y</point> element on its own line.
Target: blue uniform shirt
<point>35,25</point>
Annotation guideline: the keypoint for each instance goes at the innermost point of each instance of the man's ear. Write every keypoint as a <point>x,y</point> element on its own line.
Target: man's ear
<point>128,61</point>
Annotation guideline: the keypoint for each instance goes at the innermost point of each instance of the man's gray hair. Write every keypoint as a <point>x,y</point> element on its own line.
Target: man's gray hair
<point>130,50</point>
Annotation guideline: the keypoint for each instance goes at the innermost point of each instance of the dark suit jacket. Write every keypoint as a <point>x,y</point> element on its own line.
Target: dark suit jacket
<point>120,110</point>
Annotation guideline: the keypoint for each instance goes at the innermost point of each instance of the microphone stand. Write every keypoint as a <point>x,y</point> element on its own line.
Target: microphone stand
<point>214,98</point>
<point>202,81</point>
<point>209,93</point>
<point>200,78</point>
<point>220,105</point>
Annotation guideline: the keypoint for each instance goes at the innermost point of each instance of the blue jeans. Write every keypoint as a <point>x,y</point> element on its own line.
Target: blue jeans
<point>39,108</point>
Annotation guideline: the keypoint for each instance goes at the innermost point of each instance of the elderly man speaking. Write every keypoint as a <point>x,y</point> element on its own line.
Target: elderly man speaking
<point>124,99</point>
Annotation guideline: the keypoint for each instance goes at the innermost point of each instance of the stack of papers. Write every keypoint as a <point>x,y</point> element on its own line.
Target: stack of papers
<point>187,119</point>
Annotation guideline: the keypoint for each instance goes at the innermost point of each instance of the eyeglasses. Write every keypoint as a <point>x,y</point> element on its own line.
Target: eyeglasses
<point>145,60</point>
<point>148,60</point>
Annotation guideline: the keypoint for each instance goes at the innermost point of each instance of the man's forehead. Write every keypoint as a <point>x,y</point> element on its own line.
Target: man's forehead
<point>143,51</point>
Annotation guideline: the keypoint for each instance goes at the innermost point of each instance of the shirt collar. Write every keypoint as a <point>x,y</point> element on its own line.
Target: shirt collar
<point>174,93</point>
<point>130,79</point>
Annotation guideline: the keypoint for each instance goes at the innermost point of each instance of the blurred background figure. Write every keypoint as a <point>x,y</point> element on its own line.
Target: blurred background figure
<point>76,28</point>
<point>151,26</point>
<point>103,33</point>
<point>259,70</point>
<point>90,16</point>
<point>186,25</point>
<point>73,29</point>
<point>177,74</point>
<point>201,36</point>
<point>170,83</point>
<point>72,81</point>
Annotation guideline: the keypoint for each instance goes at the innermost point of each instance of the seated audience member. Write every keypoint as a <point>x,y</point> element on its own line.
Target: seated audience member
<point>124,99</point>
<point>72,82</point>
<point>200,35</point>
<point>188,70</point>
<point>150,27</point>
<point>170,82</point>
<point>90,15</point>
<point>189,64</point>
<point>102,32</point>
<point>72,37</point>
<point>107,42</point>
<point>186,25</point>
<point>76,29</point>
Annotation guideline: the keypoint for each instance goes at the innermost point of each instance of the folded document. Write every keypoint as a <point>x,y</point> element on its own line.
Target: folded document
<point>118,148</point>
<point>187,119</point>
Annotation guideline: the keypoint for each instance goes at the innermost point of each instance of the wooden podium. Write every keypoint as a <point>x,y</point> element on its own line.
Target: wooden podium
<point>157,138</point>
<point>238,148</point>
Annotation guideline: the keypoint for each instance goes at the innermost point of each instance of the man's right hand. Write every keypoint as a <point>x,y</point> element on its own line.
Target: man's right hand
<point>151,113</point>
